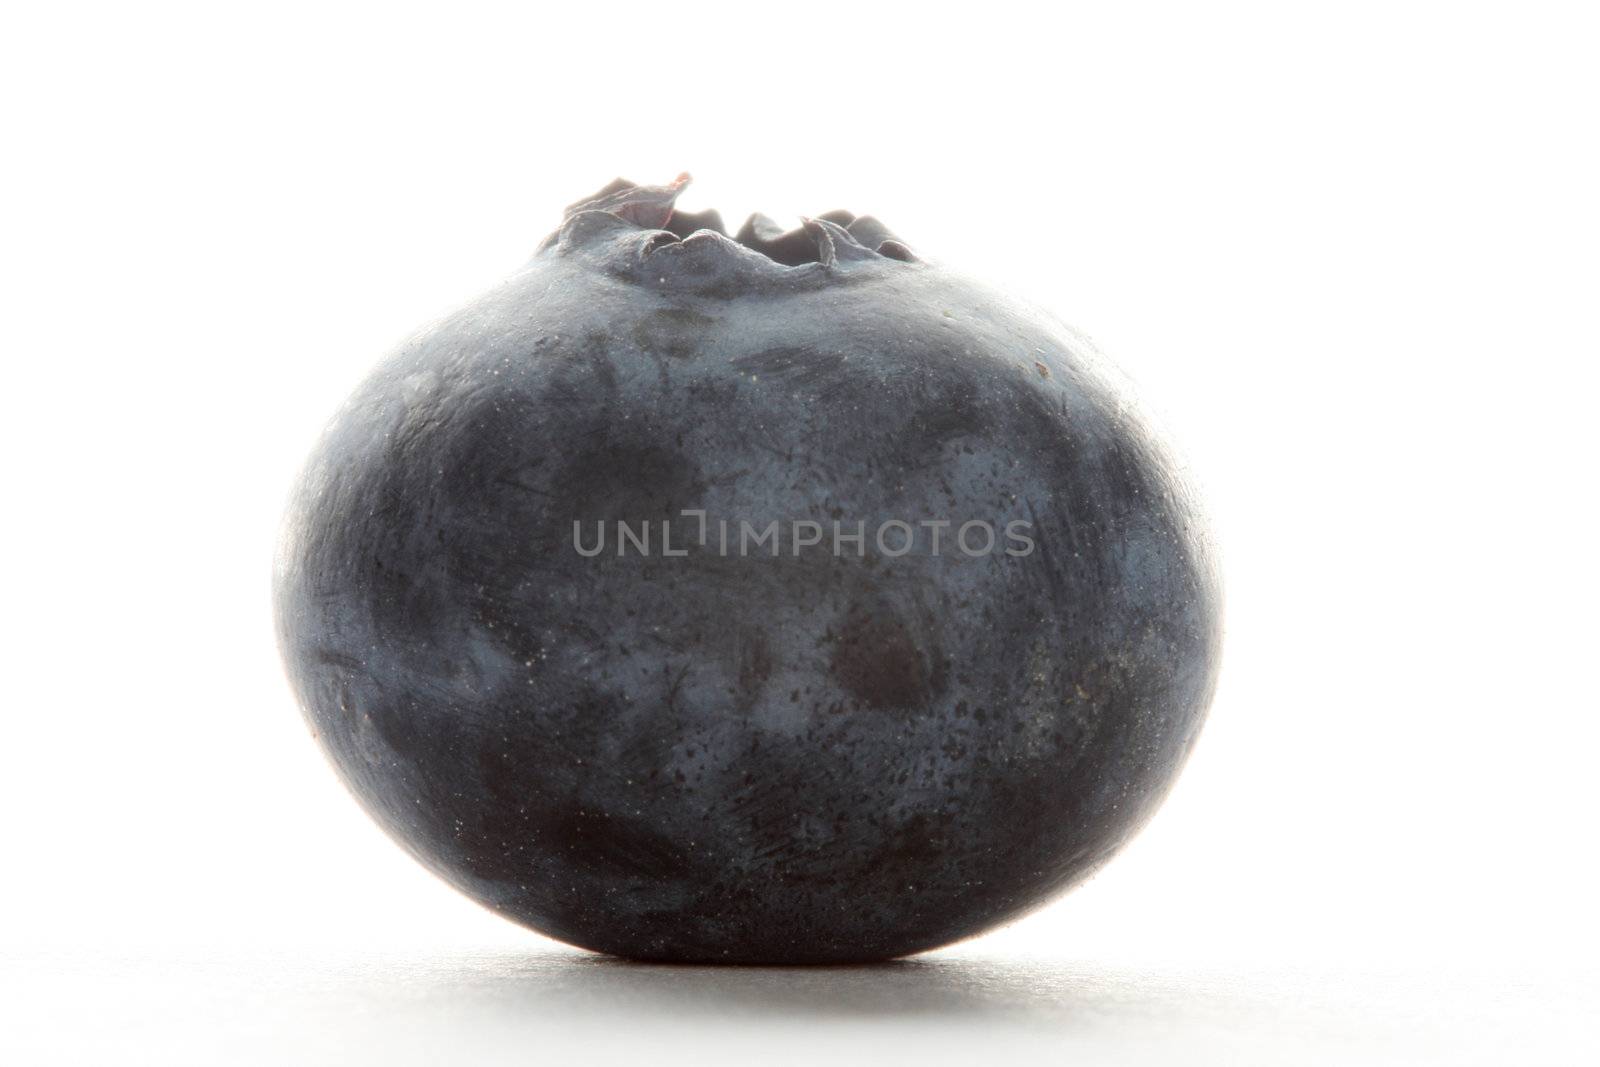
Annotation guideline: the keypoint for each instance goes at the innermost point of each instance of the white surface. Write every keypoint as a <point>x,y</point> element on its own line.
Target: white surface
<point>521,1007</point>
<point>1349,252</point>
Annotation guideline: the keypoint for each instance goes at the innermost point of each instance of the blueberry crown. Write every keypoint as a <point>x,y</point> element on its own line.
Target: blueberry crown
<point>638,229</point>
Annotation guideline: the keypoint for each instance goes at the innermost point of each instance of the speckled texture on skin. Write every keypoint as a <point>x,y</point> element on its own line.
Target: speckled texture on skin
<point>709,757</point>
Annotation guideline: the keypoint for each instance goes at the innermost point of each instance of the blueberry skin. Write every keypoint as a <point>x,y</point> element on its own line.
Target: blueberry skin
<point>806,758</point>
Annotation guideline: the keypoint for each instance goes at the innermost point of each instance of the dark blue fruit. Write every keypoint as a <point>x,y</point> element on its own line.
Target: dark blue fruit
<point>780,598</point>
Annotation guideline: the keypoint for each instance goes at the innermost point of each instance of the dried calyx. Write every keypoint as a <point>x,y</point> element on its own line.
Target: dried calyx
<point>831,238</point>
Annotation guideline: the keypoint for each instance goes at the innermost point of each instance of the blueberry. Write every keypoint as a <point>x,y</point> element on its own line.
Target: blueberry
<point>776,598</point>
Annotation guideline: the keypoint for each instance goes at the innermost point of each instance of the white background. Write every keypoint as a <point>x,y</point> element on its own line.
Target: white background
<point>1350,252</point>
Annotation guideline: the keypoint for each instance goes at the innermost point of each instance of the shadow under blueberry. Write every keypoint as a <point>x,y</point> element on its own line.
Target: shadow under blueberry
<point>949,988</point>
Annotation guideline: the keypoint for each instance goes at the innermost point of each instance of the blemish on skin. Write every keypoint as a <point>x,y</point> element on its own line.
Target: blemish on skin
<point>876,660</point>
